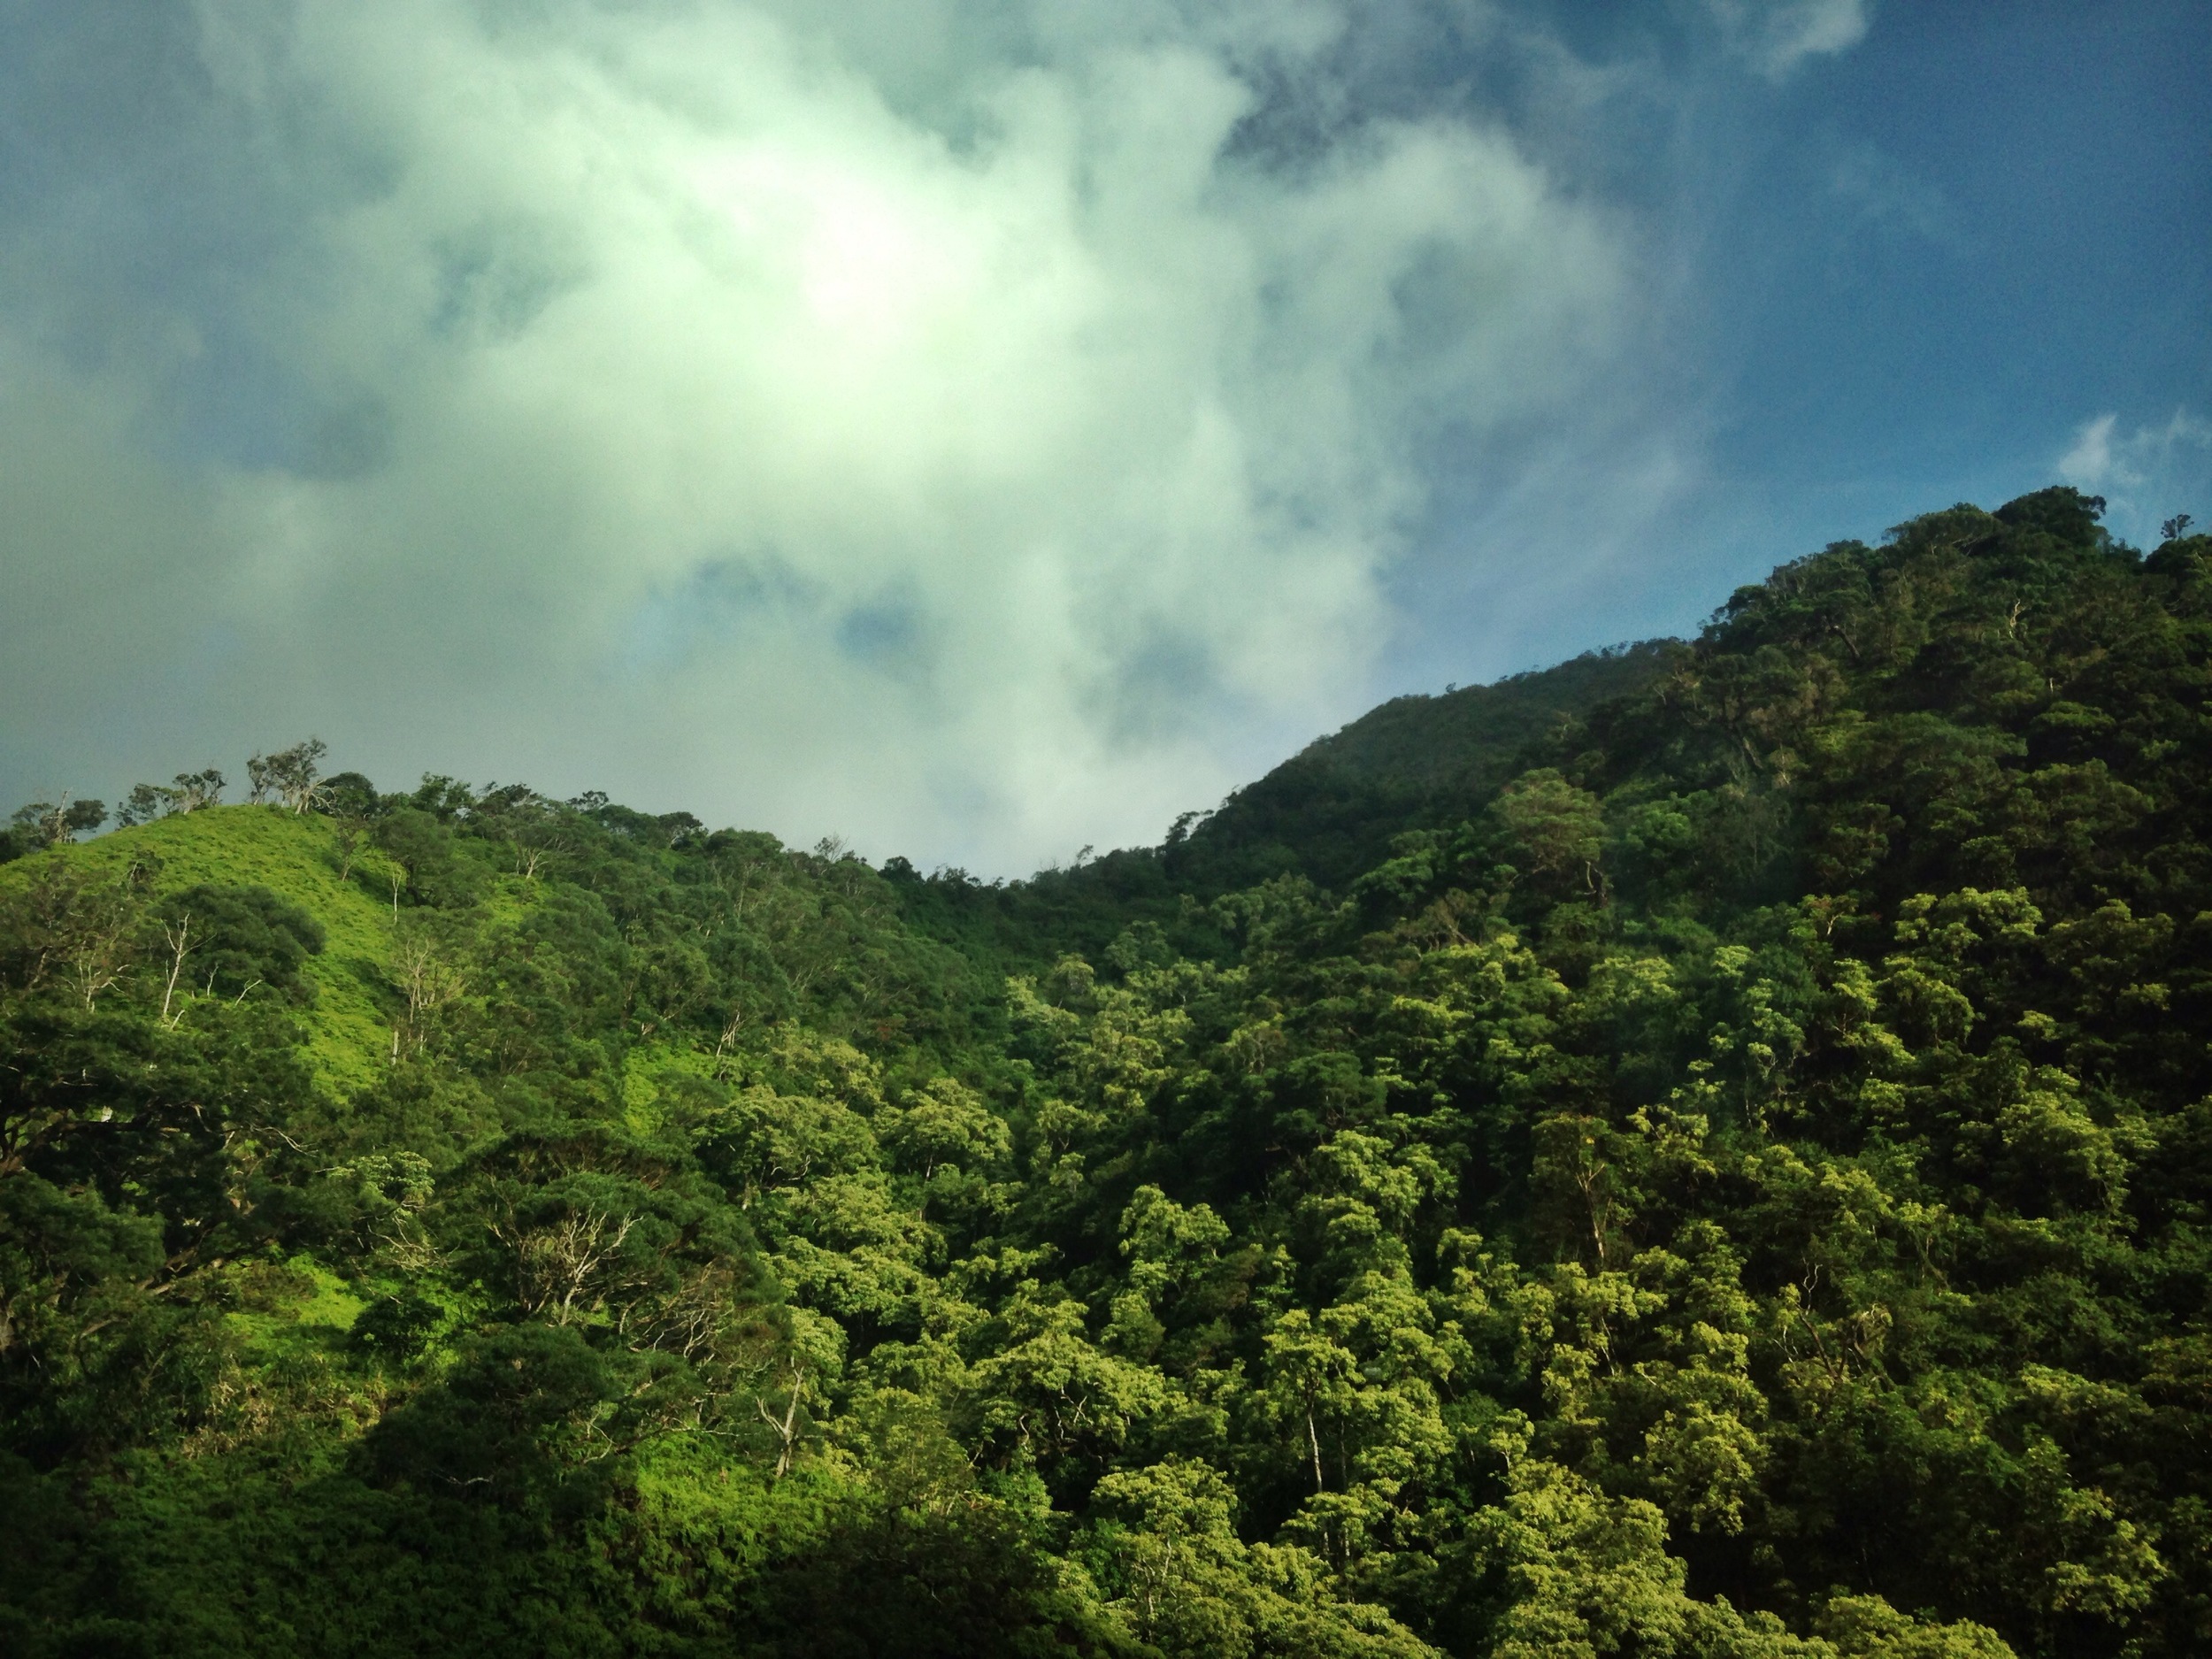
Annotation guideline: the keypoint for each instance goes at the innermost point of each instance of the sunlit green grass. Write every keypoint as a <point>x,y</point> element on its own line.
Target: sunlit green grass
<point>296,858</point>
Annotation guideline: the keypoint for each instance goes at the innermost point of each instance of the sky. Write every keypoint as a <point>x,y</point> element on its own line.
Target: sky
<point>981,429</point>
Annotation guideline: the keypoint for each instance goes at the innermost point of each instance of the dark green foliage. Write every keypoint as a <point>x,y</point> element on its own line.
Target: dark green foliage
<point>233,938</point>
<point>1330,813</point>
<point>52,824</point>
<point>1704,1152</point>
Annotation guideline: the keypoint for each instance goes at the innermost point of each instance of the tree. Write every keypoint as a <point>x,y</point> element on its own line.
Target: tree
<point>239,938</point>
<point>146,802</point>
<point>51,824</point>
<point>1554,831</point>
<point>189,792</point>
<point>289,774</point>
<point>198,789</point>
<point>1164,1542</point>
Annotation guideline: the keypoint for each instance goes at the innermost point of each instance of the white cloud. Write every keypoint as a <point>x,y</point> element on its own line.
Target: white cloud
<point>2090,464</point>
<point>918,422</point>
<point>1774,37</point>
<point>2145,475</point>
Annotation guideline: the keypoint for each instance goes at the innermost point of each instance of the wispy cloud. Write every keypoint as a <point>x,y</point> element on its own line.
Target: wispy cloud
<point>2147,474</point>
<point>1776,36</point>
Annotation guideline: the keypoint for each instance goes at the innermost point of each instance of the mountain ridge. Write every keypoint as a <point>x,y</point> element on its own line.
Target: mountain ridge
<point>1714,1161</point>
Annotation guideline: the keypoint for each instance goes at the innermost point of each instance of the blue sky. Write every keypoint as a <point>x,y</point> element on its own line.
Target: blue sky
<point>985,427</point>
<point>1912,272</point>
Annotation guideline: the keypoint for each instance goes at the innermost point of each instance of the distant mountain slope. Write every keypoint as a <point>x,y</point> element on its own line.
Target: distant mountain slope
<point>1328,814</point>
<point>1417,761</point>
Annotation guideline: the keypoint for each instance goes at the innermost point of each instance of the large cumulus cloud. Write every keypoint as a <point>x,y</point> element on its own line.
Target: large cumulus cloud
<point>978,430</point>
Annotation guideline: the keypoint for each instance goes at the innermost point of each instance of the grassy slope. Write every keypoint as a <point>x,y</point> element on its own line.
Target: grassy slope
<point>349,1026</point>
<point>302,1306</point>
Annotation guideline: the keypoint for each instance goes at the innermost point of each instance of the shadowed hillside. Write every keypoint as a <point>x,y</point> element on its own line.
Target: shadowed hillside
<point>1328,815</point>
<point>1416,762</point>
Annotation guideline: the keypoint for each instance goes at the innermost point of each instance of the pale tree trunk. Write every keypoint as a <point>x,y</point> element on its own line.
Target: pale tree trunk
<point>179,943</point>
<point>788,1430</point>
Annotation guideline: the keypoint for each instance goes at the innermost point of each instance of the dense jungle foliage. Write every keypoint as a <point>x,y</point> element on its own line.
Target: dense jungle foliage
<point>1732,1181</point>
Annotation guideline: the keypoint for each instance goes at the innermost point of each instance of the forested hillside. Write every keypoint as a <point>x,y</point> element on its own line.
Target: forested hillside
<point>1704,1153</point>
<point>1329,814</point>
